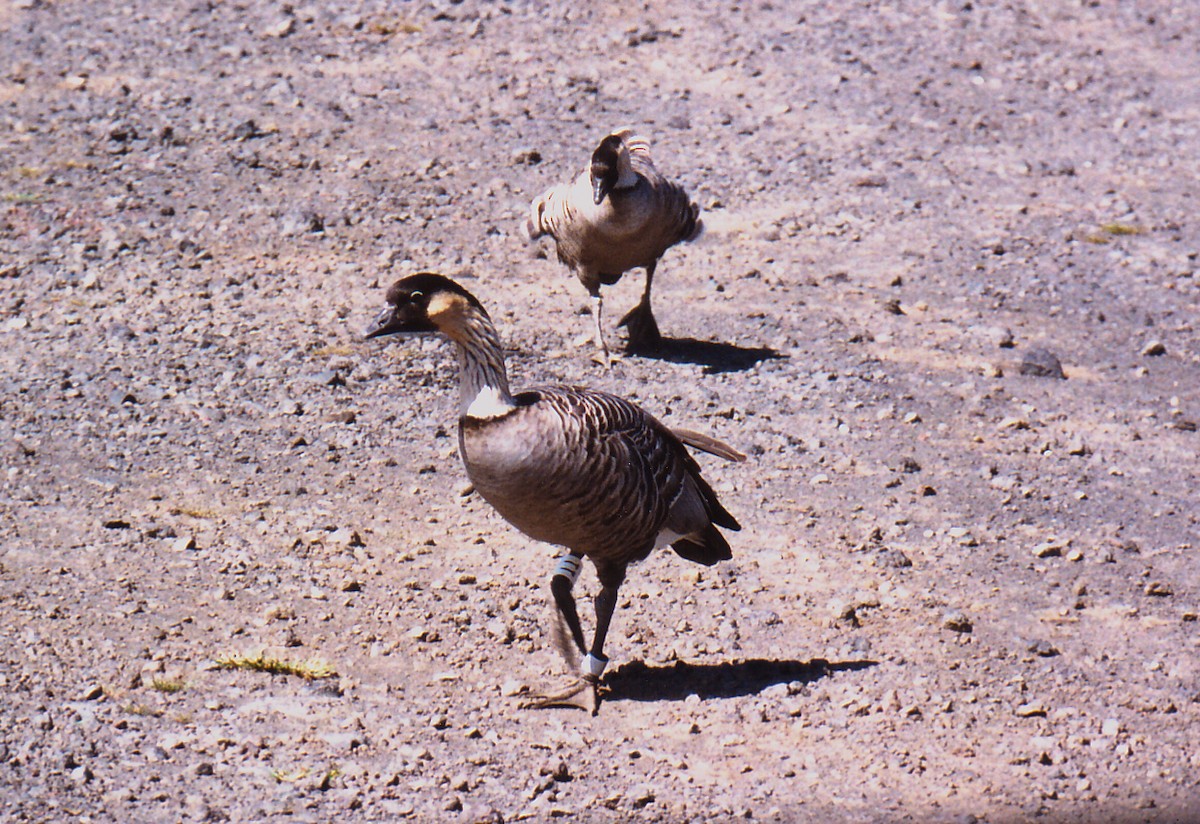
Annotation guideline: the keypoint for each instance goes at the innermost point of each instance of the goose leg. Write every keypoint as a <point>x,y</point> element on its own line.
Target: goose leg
<point>565,575</point>
<point>643,329</point>
<point>584,691</point>
<point>597,307</point>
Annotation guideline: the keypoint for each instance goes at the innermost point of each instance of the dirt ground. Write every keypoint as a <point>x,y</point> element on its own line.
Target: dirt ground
<point>966,587</point>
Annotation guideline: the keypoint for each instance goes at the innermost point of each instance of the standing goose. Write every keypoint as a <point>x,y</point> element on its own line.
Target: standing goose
<point>619,214</point>
<point>585,470</point>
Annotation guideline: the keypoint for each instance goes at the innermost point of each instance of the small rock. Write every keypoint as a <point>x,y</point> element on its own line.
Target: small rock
<point>1031,710</point>
<point>119,796</point>
<point>424,634</point>
<point>246,130</point>
<point>1158,589</point>
<point>845,611</point>
<point>1153,349</point>
<point>1048,549</point>
<point>1110,728</point>
<point>302,221</point>
<point>1042,648</point>
<point>640,797</point>
<point>280,29</point>
<point>1041,363</point>
<point>346,537</point>
<point>890,558</point>
<point>956,620</point>
<point>557,770</point>
<point>961,536</point>
<point>526,156</point>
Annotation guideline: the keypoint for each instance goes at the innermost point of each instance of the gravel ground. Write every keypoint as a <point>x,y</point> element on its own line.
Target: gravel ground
<point>947,303</point>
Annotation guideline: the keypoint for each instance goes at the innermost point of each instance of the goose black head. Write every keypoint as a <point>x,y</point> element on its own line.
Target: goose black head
<point>425,302</point>
<point>606,167</point>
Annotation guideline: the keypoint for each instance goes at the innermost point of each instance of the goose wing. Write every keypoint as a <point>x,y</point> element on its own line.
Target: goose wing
<point>674,211</point>
<point>642,477</point>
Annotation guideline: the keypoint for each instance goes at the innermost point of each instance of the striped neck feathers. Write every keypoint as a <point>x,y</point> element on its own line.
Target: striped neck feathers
<point>483,387</point>
<point>626,177</point>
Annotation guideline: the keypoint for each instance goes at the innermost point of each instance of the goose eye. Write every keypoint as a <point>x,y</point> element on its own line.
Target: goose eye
<point>418,295</point>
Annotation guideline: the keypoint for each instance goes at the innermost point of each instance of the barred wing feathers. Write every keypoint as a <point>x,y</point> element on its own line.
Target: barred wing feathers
<point>605,478</point>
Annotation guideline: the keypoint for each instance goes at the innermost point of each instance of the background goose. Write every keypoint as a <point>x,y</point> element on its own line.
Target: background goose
<point>586,470</point>
<point>619,214</point>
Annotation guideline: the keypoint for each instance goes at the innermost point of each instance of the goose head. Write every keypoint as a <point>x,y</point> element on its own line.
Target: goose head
<point>425,302</point>
<point>611,167</point>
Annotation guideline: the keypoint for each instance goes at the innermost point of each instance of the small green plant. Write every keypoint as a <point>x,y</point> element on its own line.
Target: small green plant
<point>1113,229</point>
<point>194,512</point>
<point>309,669</point>
<point>394,25</point>
<point>143,710</point>
<point>1119,229</point>
<point>284,776</point>
<point>168,685</point>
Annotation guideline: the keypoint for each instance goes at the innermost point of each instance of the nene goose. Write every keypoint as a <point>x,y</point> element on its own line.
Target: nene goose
<point>585,470</point>
<point>619,214</point>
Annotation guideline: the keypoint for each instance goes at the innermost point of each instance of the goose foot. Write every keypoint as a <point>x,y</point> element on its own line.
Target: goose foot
<point>605,358</point>
<point>644,336</point>
<point>582,693</point>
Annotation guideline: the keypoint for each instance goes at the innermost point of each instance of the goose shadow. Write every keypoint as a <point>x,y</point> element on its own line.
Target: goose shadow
<point>637,681</point>
<point>714,356</point>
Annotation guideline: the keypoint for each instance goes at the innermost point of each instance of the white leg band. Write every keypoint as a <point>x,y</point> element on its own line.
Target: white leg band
<point>593,666</point>
<point>568,567</point>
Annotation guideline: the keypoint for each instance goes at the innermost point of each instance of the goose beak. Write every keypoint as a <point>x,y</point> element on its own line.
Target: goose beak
<point>600,188</point>
<point>385,323</point>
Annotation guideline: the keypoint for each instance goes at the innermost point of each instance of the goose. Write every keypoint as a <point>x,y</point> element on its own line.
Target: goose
<point>585,470</point>
<point>619,214</point>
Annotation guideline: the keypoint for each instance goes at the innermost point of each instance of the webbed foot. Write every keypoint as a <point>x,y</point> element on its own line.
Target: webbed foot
<point>582,693</point>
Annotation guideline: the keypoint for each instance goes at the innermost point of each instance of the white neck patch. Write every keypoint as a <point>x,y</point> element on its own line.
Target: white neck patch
<point>489,403</point>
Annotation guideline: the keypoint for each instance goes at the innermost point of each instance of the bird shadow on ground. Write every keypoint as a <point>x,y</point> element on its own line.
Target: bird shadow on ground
<point>637,681</point>
<point>714,356</point>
